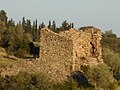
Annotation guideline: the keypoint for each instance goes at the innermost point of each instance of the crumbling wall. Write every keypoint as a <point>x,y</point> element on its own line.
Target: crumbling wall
<point>89,46</point>
<point>63,53</point>
<point>56,55</point>
<point>86,46</point>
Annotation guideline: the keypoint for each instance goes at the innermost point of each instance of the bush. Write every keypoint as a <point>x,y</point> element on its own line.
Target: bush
<point>36,81</point>
<point>112,59</point>
<point>25,81</point>
<point>99,76</point>
<point>21,53</point>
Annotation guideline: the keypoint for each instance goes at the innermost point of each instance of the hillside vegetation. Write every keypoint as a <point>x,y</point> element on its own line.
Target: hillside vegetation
<point>20,41</point>
<point>6,60</point>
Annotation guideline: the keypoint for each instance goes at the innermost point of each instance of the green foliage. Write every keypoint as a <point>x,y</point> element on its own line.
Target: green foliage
<point>25,81</point>
<point>98,76</point>
<point>111,52</point>
<point>110,40</point>
<point>3,17</point>
<point>70,85</point>
<point>21,53</point>
<point>10,23</point>
<point>36,81</point>
<point>52,26</point>
<point>112,59</point>
<point>16,39</point>
<point>2,30</point>
<point>66,25</point>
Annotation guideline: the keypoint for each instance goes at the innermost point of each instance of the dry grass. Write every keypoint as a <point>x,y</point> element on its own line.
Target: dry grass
<point>118,88</point>
<point>6,60</point>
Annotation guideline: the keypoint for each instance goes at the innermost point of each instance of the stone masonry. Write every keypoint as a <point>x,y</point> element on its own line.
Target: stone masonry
<point>63,53</point>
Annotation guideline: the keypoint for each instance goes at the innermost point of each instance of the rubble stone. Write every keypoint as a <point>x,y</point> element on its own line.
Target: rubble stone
<point>63,53</point>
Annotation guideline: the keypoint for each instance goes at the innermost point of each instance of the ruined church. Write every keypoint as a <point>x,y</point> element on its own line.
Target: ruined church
<point>65,52</point>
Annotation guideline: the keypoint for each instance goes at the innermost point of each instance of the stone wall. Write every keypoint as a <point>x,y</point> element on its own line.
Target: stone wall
<point>64,53</point>
<point>56,55</point>
<point>86,46</point>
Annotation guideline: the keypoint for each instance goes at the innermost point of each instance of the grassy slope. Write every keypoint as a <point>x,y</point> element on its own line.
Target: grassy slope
<point>118,88</point>
<point>6,60</point>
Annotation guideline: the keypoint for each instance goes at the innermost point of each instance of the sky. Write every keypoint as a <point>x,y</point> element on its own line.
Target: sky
<point>103,14</point>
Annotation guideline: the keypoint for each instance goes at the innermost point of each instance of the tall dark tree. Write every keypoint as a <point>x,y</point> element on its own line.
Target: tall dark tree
<point>65,26</point>
<point>10,23</point>
<point>2,29</point>
<point>42,25</point>
<point>72,25</point>
<point>54,26</point>
<point>36,30</point>
<point>49,25</point>
<point>23,22</point>
<point>3,17</point>
<point>28,26</point>
<point>35,33</point>
<point>36,24</point>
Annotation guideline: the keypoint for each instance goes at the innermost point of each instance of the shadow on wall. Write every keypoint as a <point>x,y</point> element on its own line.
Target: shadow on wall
<point>80,78</point>
<point>93,48</point>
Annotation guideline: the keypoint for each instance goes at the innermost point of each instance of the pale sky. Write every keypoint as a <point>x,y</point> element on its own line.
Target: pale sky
<point>104,14</point>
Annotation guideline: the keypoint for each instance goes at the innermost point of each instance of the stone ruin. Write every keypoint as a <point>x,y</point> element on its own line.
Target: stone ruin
<point>62,53</point>
<point>65,52</point>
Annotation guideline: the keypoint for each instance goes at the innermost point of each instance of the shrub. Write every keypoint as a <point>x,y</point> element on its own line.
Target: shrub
<point>99,76</point>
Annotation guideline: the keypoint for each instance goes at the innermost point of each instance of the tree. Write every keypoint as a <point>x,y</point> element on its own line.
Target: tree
<point>26,81</point>
<point>72,25</point>
<point>112,59</point>
<point>112,41</point>
<point>11,23</point>
<point>8,37</point>
<point>3,23</point>
<point>23,23</point>
<point>3,17</point>
<point>99,76</point>
<point>35,31</point>
<point>2,29</point>
<point>26,24</point>
<point>66,26</point>
<point>49,25</point>
<point>53,25</point>
<point>42,25</point>
<point>28,28</point>
<point>16,41</point>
